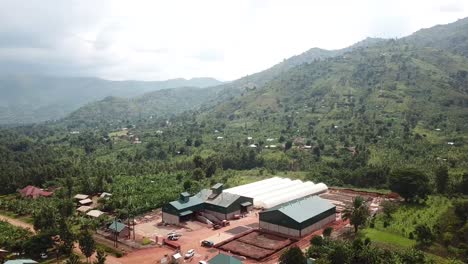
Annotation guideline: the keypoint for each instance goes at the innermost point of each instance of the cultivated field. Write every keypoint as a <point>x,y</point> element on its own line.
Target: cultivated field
<point>256,245</point>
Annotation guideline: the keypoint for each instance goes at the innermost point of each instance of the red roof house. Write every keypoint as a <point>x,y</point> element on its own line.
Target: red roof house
<point>34,192</point>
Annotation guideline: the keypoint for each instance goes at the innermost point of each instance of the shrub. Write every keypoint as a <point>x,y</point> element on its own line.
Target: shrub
<point>146,241</point>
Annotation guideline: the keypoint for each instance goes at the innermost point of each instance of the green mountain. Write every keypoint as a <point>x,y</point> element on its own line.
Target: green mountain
<point>29,99</point>
<point>163,103</point>
<point>452,37</point>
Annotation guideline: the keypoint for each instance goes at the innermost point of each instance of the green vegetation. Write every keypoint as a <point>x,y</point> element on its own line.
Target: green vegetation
<point>384,237</point>
<point>438,226</point>
<point>405,219</point>
<point>383,114</point>
<point>361,251</point>
<point>11,237</point>
<point>35,98</point>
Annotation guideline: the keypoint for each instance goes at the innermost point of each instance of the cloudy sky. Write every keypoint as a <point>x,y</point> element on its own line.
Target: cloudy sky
<point>157,40</point>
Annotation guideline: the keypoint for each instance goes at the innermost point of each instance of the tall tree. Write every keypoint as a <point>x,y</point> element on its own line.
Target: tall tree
<point>87,244</point>
<point>424,235</point>
<point>100,257</point>
<point>357,214</point>
<point>442,179</point>
<point>410,183</point>
<point>73,259</point>
<point>293,255</point>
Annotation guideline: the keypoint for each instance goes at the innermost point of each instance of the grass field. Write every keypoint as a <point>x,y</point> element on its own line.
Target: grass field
<point>405,219</point>
<point>403,222</point>
<point>387,238</point>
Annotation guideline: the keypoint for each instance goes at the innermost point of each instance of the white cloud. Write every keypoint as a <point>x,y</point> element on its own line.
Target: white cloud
<point>155,40</point>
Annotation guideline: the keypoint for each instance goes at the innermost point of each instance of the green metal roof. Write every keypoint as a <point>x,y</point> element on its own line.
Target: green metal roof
<point>184,213</point>
<point>303,209</point>
<point>224,199</point>
<point>192,201</point>
<point>217,186</point>
<point>224,259</point>
<point>116,226</point>
<point>21,261</point>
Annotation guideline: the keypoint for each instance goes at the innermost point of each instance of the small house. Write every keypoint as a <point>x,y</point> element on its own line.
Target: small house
<point>86,201</point>
<point>84,209</point>
<point>34,192</point>
<point>21,261</point>
<point>95,213</point>
<point>119,229</point>
<point>105,195</point>
<point>177,258</point>
<point>80,196</point>
<point>224,259</point>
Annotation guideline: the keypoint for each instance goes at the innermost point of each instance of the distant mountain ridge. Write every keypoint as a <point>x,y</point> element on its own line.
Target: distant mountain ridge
<point>32,98</point>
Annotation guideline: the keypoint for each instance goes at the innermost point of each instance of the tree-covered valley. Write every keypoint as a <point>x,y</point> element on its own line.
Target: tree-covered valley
<point>377,115</point>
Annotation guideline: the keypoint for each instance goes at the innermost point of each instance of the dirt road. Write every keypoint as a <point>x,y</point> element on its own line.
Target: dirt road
<point>17,222</point>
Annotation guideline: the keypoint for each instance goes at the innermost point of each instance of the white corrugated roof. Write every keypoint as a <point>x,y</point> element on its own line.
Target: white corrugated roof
<point>81,196</point>
<point>85,201</point>
<point>271,192</point>
<point>95,213</point>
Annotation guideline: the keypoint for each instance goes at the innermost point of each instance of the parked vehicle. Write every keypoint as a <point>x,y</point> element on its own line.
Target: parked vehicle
<point>237,216</point>
<point>202,262</point>
<point>173,237</point>
<point>190,254</point>
<point>207,243</point>
<point>215,226</point>
<point>44,255</point>
<point>225,223</point>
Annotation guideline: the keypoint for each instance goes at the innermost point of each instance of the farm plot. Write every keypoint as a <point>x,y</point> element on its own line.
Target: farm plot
<point>247,250</point>
<point>266,241</point>
<point>256,245</point>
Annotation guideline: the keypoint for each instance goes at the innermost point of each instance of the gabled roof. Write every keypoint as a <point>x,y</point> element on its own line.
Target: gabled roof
<point>303,209</point>
<point>81,196</point>
<point>223,199</point>
<point>21,261</point>
<point>34,192</point>
<point>86,201</point>
<point>95,213</point>
<point>105,194</point>
<point>224,259</point>
<point>84,208</point>
<point>192,201</point>
<point>116,226</point>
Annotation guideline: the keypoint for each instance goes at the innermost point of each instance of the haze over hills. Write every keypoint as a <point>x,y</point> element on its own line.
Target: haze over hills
<point>379,98</point>
<point>102,111</point>
<point>383,116</point>
<point>30,98</point>
<point>392,74</point>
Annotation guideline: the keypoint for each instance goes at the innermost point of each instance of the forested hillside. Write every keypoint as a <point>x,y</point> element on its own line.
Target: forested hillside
<point>31,99</point>
<point>381,114</point>
<point>162,103</point>
<point>167,103</point>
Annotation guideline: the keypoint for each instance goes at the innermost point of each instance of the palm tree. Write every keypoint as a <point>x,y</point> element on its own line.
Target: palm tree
<point>357,214</point>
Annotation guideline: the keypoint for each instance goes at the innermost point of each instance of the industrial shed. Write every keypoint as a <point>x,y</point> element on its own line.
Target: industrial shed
<point>298,218</point>
<point>224,205</point>
<point>274,191</point>
<point>212,202</point>
<point>182,209</point>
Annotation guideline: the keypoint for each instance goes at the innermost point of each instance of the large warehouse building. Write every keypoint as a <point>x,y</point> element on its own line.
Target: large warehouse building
<point>298,218</point>
<point>214,204</point>
<point>274,191</point>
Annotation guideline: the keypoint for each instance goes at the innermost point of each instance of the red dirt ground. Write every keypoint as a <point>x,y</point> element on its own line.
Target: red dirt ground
<point>264,240</point>
<point>247,250</point>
